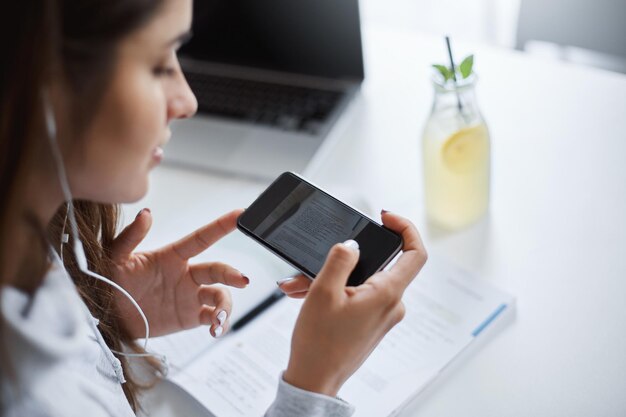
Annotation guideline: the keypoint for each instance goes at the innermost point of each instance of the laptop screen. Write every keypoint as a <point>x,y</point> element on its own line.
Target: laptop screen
<point>312,37</point>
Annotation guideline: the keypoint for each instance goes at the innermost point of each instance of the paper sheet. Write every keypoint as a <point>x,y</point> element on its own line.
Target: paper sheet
<point>446,310</point>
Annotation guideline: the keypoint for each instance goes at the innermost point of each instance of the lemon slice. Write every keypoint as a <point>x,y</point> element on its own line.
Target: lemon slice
<point>466,150</point>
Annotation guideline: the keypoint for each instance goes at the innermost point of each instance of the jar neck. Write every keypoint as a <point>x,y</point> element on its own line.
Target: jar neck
<point>461,97</point>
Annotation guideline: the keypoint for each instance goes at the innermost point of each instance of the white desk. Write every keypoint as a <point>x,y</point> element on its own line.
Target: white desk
<point>555,236</point>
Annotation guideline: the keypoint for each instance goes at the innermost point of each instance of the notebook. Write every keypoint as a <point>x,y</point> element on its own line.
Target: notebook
<point>447,311</point>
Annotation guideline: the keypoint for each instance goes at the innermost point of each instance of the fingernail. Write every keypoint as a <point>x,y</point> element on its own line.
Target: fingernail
<point>246,278</point>
<point>383,211</point>
<point>218,331</point>
<point>221,317</point>
<point>141,212</point>
<point>352,244</point>
<point>282,281</point>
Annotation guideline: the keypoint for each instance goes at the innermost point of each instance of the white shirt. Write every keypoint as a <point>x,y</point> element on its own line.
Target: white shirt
<point>61,369</point>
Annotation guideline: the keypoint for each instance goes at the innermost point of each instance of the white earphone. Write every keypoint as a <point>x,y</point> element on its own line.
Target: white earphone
<point>79,251</point>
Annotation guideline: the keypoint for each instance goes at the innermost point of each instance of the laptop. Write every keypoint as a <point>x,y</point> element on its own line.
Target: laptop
<point>272,79</point>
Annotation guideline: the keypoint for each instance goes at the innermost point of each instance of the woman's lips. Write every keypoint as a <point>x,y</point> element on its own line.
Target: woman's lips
<point>157,153</point>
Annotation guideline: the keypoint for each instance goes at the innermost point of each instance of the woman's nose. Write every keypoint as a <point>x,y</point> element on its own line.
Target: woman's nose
<point>183,103</point>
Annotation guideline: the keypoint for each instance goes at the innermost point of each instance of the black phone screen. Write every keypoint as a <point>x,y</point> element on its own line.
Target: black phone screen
<point>301,223</point>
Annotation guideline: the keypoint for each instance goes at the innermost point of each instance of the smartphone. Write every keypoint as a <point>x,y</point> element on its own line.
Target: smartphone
<point>299,222</point>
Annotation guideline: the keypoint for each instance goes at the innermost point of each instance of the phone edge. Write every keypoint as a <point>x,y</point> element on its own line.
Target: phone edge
<point>248,233</point>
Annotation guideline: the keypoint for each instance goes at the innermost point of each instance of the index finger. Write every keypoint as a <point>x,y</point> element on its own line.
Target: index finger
<point>413,255</point>
<point>198,241</point>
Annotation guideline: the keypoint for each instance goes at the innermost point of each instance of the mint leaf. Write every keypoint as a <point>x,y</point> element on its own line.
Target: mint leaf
<point>466,66</point>
<point>444,71</point>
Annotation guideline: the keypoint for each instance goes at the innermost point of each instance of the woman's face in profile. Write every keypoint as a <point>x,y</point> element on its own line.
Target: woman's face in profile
<point>147,91</point>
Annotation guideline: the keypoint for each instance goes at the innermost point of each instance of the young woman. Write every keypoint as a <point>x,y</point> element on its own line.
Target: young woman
<point>87,91</point>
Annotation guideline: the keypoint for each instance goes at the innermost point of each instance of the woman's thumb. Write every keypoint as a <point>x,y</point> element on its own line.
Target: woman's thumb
<point>339,264</point>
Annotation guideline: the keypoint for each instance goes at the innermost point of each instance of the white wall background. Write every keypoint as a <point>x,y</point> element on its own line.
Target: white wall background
<point>492,22</point>
<point>489,21</point>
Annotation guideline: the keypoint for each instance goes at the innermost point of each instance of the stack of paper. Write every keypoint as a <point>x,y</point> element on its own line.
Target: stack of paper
<point>446,310</point>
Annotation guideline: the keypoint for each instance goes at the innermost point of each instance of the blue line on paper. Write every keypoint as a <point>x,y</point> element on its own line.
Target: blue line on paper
<point>488,320</point>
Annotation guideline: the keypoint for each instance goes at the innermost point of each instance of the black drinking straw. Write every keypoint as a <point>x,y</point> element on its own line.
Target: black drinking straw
<point>458,98</point>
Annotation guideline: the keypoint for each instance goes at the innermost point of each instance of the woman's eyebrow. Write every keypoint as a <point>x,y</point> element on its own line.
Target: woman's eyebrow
<point>180,39</point>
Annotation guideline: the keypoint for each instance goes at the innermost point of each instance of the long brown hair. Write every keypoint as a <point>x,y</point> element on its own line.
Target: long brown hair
<point>44,41</point>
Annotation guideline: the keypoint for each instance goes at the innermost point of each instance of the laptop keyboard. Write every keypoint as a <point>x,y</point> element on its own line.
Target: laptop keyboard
<point>286,107</point>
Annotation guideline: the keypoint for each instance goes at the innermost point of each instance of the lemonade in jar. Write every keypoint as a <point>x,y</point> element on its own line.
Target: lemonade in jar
<point>456,152</point>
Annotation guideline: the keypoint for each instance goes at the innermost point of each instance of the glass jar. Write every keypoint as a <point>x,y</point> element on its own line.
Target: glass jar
<point>456,155</point>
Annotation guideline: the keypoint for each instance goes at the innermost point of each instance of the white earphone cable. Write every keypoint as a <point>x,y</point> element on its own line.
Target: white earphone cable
<point>79,251</point>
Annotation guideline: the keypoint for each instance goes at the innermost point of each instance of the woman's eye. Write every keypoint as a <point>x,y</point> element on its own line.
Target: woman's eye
<point>164,71</point>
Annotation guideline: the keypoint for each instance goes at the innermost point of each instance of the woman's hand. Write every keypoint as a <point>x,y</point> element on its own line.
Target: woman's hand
<point>173,294</point>
<point>339,326</point>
